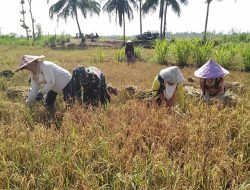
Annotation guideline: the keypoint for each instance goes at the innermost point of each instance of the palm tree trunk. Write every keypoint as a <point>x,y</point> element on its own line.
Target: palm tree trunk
<point>78,25</point>
<point>161,16</point>
<point>140,18</point>
<point>123,15</point>
<point>165,19</point>
<point>205,31</point>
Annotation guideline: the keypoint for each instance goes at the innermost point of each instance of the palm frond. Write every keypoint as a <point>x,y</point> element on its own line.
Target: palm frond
<point>120,8</point>
<point>150,5</point>
<point>175,7</point>
<point>57,7</point>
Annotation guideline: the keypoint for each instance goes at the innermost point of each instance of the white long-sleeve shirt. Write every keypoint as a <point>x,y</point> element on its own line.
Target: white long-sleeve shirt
<point>49,76</point>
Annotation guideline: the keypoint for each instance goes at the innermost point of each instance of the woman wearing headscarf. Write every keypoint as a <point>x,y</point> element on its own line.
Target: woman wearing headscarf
<point>168,87</point>
<point>47,78</point>
<point>212,84</point>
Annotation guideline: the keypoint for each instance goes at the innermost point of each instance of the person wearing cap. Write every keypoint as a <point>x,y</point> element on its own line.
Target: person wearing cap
<point>168,87</point>
<point>89,86</point>
<point>212,84</point>
<point>47,78</point>
<point>129,51</point>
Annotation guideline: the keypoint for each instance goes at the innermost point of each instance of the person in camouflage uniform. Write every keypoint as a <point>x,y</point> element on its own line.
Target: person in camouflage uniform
<point>89,86</point>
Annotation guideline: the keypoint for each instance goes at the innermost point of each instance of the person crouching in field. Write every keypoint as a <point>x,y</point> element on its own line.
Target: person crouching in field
<point>130,52</point>
<point>89,86</point>
<point>48,79</point>
<point>211,81</point>
<point>168,87</point>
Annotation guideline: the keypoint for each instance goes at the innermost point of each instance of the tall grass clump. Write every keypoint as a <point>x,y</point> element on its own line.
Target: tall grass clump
<point>161,51</point>
<point>100,55</point>
<point>138,51</point>
<point>225,56</point>
<point>201,52</point>
<point>182,51</point>
<point>245,53</point>
<point>120,55</point>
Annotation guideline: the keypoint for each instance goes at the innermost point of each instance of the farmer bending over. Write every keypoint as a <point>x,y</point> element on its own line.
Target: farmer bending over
<point>89,86</point>
<point>48,79</point>
<point>211,81</point>
<point>168,87</point>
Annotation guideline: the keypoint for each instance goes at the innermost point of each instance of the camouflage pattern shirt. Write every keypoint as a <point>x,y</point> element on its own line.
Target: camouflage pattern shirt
<point>90,85</point>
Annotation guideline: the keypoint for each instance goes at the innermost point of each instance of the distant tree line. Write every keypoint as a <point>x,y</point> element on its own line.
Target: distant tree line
<point>122,9</point>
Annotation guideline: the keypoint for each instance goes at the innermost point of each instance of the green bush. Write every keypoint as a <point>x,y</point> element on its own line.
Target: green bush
<point>161,50</point>
<point>201,52</point>
<point>225,56</point>
<point>182,51</point>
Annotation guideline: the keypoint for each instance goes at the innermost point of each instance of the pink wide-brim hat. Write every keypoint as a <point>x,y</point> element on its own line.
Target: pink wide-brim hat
<point>211,70</point>
<point>28,59</point>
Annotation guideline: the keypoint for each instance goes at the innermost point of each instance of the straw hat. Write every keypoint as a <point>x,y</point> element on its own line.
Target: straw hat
<point>211,70</point>
<point>28,59</point>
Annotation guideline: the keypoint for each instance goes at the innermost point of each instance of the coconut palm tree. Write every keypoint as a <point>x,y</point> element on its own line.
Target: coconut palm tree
<point>151,5</point>
<point>120,7</point>
<point>66,8</point>
<point>175,7</point>
<point>140,13</point>
<point>205,31</point>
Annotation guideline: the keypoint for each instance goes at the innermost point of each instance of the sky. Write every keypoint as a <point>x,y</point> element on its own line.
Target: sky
<point>223,17</point>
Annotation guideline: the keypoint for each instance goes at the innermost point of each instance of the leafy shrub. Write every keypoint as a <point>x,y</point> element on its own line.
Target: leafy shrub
<point>201,52</point>
<point>182,51</point>
<point>225,56</point>
<point>161,50</point>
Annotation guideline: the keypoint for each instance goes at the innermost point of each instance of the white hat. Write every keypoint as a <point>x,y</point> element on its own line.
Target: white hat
<point>172,74</point>
<point>28,59</point>
<point>211,70</point>
<point>129,41</point>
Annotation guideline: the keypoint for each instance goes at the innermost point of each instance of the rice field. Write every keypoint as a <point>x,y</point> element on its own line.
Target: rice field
<point>129,145</point>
